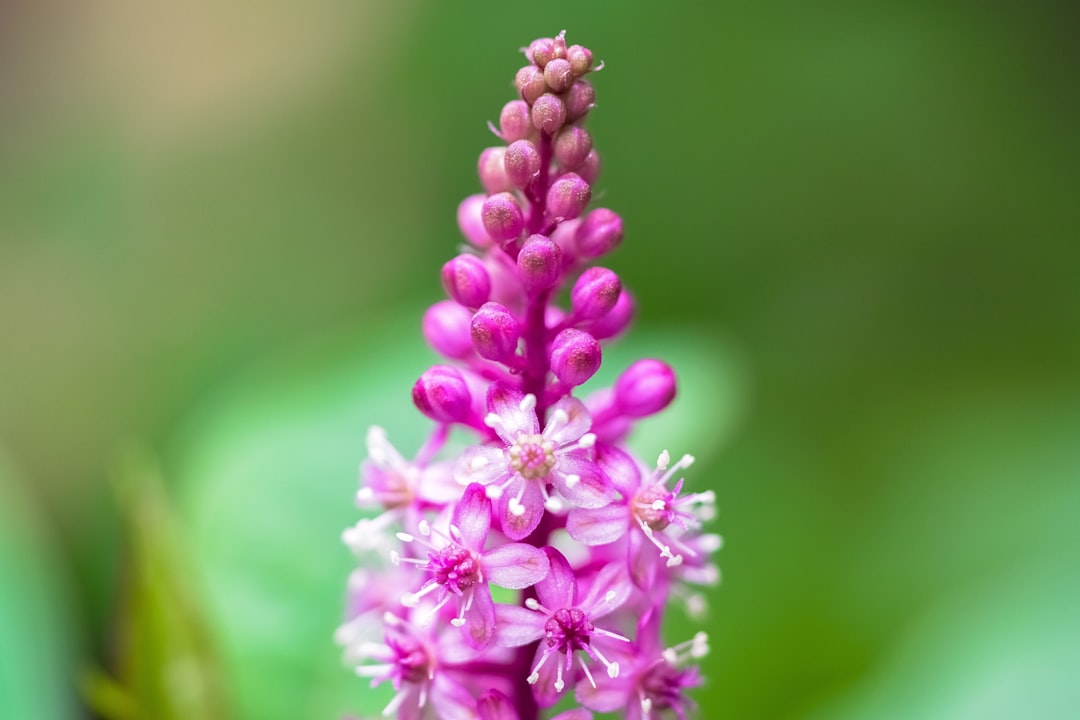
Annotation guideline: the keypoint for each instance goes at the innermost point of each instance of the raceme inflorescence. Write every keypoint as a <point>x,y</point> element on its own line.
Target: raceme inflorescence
<point>533,567</point>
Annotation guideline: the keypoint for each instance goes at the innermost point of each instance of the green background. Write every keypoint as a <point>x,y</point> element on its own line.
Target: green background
<point>853,226</point>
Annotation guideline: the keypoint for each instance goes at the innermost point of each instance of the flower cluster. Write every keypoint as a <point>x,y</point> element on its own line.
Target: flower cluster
<point>537,563</point>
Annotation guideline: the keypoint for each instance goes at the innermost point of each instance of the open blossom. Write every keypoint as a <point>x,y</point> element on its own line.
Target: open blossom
<point>530,564</point>
<point>518,472</point>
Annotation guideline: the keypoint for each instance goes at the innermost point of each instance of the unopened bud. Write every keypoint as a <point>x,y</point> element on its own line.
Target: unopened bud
<point>502,217</point>
<point>575,356</point>
<point>645,388</point>
<point>515,121</point>
<point>598,234</point>
<point>442,394</point>
<point>572,147</point>
<point>548,113</point>
<point>616,320</point>
<point>580,59</point>
<point>590,169</point>
<point>447,329</point>
<point>539,263</point>
<point>495,332</point>
<point>530,83</point>
<point>491,170</point>
<point>466,280</point>
<point>595,293</point>
<point>541,51</point>
<point>558,75</point>
<point>471,222</point>
<point>521,163</point>
<point>568,196</point>
<point>579,99</point>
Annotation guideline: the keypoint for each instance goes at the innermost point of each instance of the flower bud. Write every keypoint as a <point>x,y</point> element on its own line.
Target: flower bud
<point>645,388</point>
<point>491,170</point>
<point>502,217</point>
<point>590,169</point>
<point>579,99</point>
<point>495,332</point>
<point>521,163</point>
<point>580,59</point>
<point>442,395</point>
<point>539,264</point>
<point>572,146</point>
<point>568,196</point>
<point>446,329</point>
<point>466,280</point>
<point>548,113</point>
<point>595,293</point>
<point>541,51</point>
<point>515,122</point>
<point>575,356</point>
<point>558,75</point>
<point>530,83</point>
<point>599,233</point>
<point>470,221</point>
<point>616,320</point>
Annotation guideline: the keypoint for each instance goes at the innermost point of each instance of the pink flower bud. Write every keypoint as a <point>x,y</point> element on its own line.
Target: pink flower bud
<point>572,146</point>
<point>442,395</point>
<point>558,75</point>
<point>599,233</point>
<point>616,320</point>
<point>595,293</point>
<point>580,59</point>
<point>515,122</point>
<point>466,280</point>
<point>495,332</point>
<point>502,217</point>
<point>446,329</point>
<point>590,169</point>
<point>579,99</point>
<point>548,113</point>
<point>645,388</point>
<point>521,163</point>
<point>541,51</point>
<point>568,196</point>
<point>470,221</point>
<point>530,83</point>
<point>491,170</point>
<point>575,356</point>
<point>539,264</point>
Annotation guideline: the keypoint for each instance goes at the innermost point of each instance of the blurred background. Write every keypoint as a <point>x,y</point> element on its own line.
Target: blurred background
<point>853,225</point>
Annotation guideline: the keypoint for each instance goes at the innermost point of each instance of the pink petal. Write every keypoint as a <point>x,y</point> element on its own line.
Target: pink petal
<point>620,467</point>
<point>482,464</point>
<point>575,714</point>
<point>591,487</point>
<point>607,696</point>
<point>505,402</point>
<point>453,701</point>
<point>438,486</point>
<point>577,423</point>
<point>494,705</point>
<point>472,516</point>
<point>598,526</point>
<point>517,527</point>
<point>643,559</point>
<point>515,626</point>
<point>608,591</point>
<point>515,565</point>
<point>479,625</point>
<point>557,590</point>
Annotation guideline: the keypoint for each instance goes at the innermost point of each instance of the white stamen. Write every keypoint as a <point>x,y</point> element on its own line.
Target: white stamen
<point>572,480</point>
<point>515,507</point>
<point>663,461</point>
<point>494,492</point>
<point>405,537</point>
<point>455,531</point>
<point>554,504</point>
<point>646,707</point>
<point>392,707</point>
<point>478,463</point>
<point>670,656</point>
<point>588,674</point>
<point>425,528</point>
<point>493,421</point>
<point>457,622</point>
<point>532,604</point>
<point>559,684</point>
<point>609,596</point>
<point>395,557</point>
<point>528,403</point>
<point>535,676</point>
<point>587,440</point>
<point>675,561</point>
<point>364,495</point>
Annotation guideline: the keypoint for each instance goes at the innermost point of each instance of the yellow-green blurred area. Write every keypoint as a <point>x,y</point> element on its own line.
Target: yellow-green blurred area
<point>854,225</point>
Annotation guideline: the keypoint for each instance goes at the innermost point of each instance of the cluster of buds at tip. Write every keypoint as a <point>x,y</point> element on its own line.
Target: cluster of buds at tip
<point>537,562</point>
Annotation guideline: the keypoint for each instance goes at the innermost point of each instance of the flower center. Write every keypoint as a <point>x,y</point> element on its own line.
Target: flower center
<point>652,506</point>
<point>412,661</point>
<point>532,456</point>
<point>455,567</point>
<point>663,685</point>
<point>568,630</point>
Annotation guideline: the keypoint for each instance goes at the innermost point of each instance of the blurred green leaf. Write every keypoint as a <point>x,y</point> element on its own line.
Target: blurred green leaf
<point>268,469</point>
<point>35,651</point>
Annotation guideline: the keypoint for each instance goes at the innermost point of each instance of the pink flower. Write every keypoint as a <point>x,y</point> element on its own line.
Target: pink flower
<point>566,621</point>
<point>460,567</point>
<point>518,473</point>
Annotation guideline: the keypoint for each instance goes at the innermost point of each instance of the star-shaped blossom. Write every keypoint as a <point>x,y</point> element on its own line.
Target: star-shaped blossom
<point>566,623</point>
<point>461,568</point>
<point>518,472</point>
<point>652,681</point>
